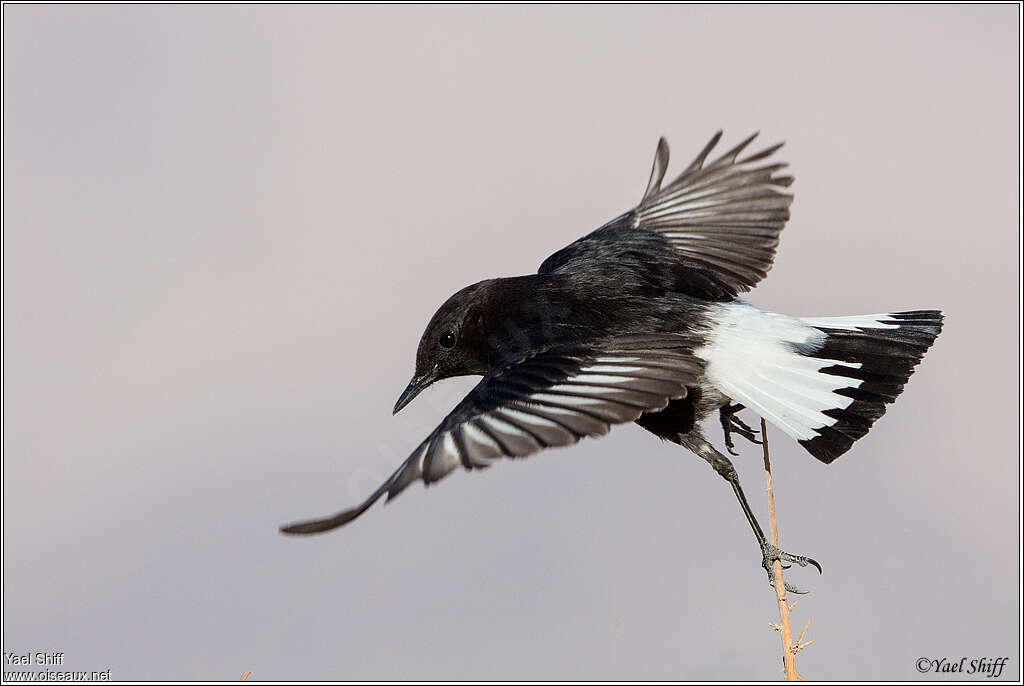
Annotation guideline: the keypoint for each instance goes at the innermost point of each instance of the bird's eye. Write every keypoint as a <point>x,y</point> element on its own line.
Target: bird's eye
<point>447,339</point>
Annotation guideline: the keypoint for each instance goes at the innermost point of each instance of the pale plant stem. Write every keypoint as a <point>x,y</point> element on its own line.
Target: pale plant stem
<point>788,653</point>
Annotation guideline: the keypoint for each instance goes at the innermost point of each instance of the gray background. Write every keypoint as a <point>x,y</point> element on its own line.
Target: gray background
<point>225,228</point>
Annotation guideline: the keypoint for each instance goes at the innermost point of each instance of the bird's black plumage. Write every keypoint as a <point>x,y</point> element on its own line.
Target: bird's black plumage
<point>639,321</point>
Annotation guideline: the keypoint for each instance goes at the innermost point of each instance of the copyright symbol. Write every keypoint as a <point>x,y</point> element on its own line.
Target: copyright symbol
<point>924,665</point>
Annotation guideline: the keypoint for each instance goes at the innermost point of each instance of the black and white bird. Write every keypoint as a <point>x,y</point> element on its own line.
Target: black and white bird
<point>640,321</point>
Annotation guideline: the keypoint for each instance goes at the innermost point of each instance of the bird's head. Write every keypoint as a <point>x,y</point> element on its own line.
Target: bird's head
<point>454,343</point>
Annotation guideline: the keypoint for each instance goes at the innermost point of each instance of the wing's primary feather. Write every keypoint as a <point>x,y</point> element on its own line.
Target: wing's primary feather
<point>548,399</point>
<point>658,169</point>
<point>719,220</point>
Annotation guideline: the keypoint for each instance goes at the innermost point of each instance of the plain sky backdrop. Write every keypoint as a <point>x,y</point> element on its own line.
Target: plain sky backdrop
<point>225,228</point>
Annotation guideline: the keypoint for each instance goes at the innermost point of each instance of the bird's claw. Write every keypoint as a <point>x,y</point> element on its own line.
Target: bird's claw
<point>772,553</point>
<point>740,427</point>
<point>732,424</point>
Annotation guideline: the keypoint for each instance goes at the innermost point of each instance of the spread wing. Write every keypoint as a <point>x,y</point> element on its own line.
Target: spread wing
<point>720,219</point>
<point>551,398</point>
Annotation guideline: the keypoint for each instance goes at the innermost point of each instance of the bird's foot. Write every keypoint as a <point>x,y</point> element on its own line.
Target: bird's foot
<point>733,424</point>
<point>772,553</point>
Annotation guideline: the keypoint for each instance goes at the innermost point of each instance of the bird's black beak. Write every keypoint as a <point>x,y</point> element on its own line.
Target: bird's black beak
<point>417,384</point>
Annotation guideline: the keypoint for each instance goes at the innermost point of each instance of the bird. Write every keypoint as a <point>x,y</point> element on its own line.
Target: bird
<point>642,321</point>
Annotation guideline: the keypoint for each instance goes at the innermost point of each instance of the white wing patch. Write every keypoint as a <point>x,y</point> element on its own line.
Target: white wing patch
<point>553,397</point>
<point>613,388</point>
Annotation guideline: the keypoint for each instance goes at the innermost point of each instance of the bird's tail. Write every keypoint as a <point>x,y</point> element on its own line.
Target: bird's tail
<point>824,381</point>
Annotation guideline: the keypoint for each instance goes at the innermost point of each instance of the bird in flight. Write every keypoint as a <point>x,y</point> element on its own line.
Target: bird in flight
<point>641,321</point>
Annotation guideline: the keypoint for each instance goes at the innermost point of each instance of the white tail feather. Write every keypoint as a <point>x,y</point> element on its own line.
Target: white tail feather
<point>760,359</point>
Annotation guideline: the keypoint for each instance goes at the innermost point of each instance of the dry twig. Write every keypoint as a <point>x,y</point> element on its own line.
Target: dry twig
<point>789,648</point>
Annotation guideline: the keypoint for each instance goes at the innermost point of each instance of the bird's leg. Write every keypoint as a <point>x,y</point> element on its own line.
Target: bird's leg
<point>731,423</point>
<point>723,465</point>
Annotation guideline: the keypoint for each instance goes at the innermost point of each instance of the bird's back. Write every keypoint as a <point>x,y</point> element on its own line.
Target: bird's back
<point>599,296</point>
